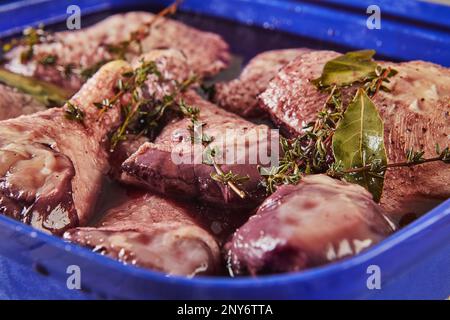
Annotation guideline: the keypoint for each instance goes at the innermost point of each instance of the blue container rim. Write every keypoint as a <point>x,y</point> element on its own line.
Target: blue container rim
<point>438,15</point>
<point>437,215</point>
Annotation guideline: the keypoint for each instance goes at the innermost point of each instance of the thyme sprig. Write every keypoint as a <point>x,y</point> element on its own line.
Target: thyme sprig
<point>311,152</point>
<point>120,49</point>
<point>142,116</point>
<point>33,36</point>
<point>412,158</point>
<point>133,112</point>
<point>197,137</point>
<point>189,111</point>
<point>229,178</point>
<point>292,165</point>
<point>233,181</point>
<point>134,81</point>
<point>374,83</point>
<point>193,113</point>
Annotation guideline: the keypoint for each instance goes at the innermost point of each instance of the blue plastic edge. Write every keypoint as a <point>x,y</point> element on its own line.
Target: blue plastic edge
<point>415,242</point>
<point>409,29</point>
<point>428,234</point>
<point>414,11</point>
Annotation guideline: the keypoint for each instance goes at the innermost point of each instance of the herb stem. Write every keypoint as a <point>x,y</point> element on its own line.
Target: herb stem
<point>170,10</point>
<point>37,36</point>
<point>383,76</point>
<point>392,165</point>
<point>231,184</point>
<point>111,103</point>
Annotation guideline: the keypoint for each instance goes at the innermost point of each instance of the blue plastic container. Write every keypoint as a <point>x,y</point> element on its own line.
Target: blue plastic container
<point>414,262</point>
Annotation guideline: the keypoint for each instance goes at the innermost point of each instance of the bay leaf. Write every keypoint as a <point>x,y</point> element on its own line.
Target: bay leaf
<point>47,93</point>
<point>348,68</point>
<point>359,141</point>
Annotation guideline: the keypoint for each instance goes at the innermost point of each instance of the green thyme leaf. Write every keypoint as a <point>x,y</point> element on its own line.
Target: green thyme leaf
<point>413,156</point>
<point>189,111</point>
<point>229,176</point>
<point>48,60</point>
<point>74,113</point>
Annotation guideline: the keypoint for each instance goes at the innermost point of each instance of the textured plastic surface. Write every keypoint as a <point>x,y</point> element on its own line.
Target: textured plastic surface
<point>414,262</point>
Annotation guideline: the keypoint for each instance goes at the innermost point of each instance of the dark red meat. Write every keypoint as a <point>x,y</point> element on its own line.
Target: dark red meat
<point>318,221</point>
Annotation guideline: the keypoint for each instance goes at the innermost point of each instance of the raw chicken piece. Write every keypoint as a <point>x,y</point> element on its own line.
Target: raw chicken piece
<point>14,103</point>
<point>175,70</point>
<point>173,166</point>
<point>241,95</point>
<point>122,152</point>
<point>318,221</point>
<point>416,114</point>
<point>155,233</point>
<point>51,168</point>
<point>207,52</point>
